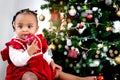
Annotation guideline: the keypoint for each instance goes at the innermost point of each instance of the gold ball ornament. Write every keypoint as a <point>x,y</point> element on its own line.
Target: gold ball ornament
<point>56,40</point>
<point>114,5</point>
<point>41,17</point>
<point>117,59</point>
<point>52,46</point>
<point>116,52</point>
<point>118,13</point>
<point>83,19</point>
<point>59,46</point>
<point>65,8</point>
<point>63,39</point>
<point>96,56</point>
<point>61,2</point>
<point>109,29</point>
<point>71,65</point>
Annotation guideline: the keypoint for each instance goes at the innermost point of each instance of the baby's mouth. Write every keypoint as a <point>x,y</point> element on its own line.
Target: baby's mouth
<point>25,35</point>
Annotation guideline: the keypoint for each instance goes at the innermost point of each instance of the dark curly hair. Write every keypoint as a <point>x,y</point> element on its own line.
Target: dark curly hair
<point>24,11</point>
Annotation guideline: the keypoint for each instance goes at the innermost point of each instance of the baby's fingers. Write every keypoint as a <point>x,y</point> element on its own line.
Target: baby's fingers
<point>34,42</point>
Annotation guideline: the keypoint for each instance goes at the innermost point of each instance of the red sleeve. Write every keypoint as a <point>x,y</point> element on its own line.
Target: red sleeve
<point>44,43</point>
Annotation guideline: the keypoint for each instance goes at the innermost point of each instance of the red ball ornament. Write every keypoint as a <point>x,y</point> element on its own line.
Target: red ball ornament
<point>100,77</point>
<point>80,26</point>
<point>29,39</point>
<point>89,16</point>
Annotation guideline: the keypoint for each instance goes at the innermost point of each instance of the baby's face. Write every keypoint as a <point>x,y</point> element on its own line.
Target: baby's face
<point>25,24</point>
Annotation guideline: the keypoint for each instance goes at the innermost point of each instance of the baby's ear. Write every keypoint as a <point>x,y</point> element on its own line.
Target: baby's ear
<point>37,28</point>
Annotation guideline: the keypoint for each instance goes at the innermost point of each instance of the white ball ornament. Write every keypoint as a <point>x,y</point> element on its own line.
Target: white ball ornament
<point>72,11</point>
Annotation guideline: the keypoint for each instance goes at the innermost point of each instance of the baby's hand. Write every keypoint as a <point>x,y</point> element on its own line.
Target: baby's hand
<point>33,47</point>
<point>55,66</point>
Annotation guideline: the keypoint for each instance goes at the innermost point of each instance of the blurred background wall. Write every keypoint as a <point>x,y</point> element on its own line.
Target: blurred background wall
<point>7,10</point>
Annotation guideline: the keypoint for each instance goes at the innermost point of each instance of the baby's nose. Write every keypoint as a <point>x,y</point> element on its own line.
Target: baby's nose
<point>25,28</point>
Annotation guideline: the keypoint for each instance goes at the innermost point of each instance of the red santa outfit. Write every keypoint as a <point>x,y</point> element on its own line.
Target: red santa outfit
<point>19,61</point>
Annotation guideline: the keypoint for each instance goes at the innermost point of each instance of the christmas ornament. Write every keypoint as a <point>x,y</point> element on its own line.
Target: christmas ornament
<point>72,11</point>
<point>80,26</point>
<point>52,46</point>
<point>59,46</point>
<point>69,42</point>
<point>79,8</point>
<point>65,8</point>
<point>113,52</point>
<point>56,40</point>
<point>100,77</point>
<point>69,25</point>
<point>84,14</point>
<point>80,43</point>
<point>72,53</point>
<point>29,39</point>
<point>69,20</point>
<point>71,65</point>
<point>61,2</point>
<point>116,26</point>
<point>117,59</point>
<point>83,19</point>
<point>95,63</point>
<point>89,16</point>
<point>118,13</point>
<point>84,56</point>
<point>63,39</point>
<point>108,2</point>
<point>97,54</point>
<point>66,47</point>
<point>41,17</point>
<point>114,5</point>
<point>105,48</point>
<point>84,7</point>
<point>77,71</point>
<point>96,22</point>
<point>109,29</point>
<point>94,8</point>
<point>65,53</point>
<point>100,46</point>
<point>88,11</point>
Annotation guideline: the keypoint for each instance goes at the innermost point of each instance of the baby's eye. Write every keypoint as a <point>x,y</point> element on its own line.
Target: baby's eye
<point>20,27</point>
<point>29,26</point>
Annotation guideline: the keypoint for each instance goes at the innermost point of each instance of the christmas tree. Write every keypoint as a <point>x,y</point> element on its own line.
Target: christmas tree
<point>84,36</point>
